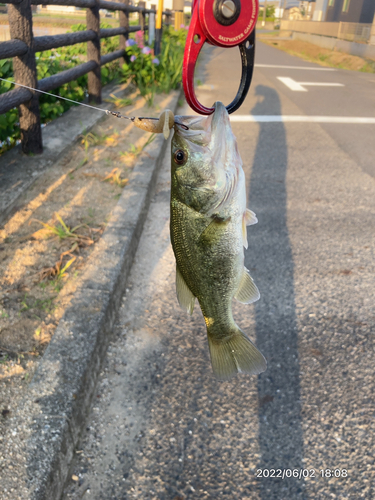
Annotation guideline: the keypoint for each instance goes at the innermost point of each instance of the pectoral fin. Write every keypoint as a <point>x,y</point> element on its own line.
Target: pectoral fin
<point>213,232</point>
<point>247,292</point>
<point>184,296</point>
<point>249,218</point>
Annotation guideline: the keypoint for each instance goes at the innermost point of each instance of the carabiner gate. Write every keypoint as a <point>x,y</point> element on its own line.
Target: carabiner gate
<point>223,23</point>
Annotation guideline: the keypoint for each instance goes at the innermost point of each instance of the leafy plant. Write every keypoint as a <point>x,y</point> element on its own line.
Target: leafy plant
<point>155,74</point>
<point>149,73</point>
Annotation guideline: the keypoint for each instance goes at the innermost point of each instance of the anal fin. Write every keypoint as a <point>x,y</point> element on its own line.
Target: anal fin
<point>247,292</point>
<point>184,296</point>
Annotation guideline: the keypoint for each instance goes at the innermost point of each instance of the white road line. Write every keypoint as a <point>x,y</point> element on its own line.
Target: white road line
<point>302,118</point>
<point>299,86</point>
<point>293,67</point>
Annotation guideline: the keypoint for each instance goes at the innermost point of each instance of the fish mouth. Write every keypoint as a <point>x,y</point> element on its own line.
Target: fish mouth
<point>223,142</point>
<point>220,117</point>
<point>203,129</point>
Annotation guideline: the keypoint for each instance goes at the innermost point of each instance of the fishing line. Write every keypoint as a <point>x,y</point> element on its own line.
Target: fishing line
<point>106,111</point>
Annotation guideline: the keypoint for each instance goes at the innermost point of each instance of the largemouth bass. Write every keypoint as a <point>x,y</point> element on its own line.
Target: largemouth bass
<point>208,234</point>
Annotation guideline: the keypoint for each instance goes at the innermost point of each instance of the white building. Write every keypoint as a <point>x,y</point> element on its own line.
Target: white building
<point>320,10</point>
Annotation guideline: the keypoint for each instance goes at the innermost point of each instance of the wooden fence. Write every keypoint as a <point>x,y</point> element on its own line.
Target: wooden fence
<point>23,45</point>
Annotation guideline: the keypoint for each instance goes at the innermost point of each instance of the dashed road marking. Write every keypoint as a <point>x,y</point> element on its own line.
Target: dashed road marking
<point>280,66</point>
<point>300,86</point>
<point>302,118</point>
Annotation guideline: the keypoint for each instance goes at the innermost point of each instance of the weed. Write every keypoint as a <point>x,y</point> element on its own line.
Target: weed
<point>58,272</point>
<point>8,239</point>
<point>91,212</point>
<point>90,139</point>
<point>4,314</point>
<point>4,359</point>
<point>118,102</point>
<point>135,151</point>
<point>117,196</point>
<point>41,304</point>
<point>62,231</point>
<point>62,272</point>
<point>115,178</point>
<point>24,304</point>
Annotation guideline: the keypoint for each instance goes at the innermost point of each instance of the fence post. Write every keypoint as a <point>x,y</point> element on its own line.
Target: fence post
<point>93,54</point>
<point>124,23</point>
<point>168,17</point>
<point>339,30</point>
<point>142,18</point>
<point>151,26</point>
<point>24,68</point>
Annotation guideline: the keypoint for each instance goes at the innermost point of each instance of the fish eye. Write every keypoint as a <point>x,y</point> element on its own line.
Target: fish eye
<point>180,157</point>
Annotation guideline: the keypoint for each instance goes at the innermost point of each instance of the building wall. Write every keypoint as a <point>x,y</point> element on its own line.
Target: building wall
<point>360,11</point>
<point>368,11</point>
<point>320,10</point>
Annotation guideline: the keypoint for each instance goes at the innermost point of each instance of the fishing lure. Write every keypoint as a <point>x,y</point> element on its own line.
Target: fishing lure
<point>163,124</point>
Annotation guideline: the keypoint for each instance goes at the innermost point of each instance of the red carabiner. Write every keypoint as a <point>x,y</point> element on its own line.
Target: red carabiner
<point>224,23</point>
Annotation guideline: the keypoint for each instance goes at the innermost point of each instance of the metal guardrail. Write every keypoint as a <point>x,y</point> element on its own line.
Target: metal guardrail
<point>354,32</point>
<point>23,46</point>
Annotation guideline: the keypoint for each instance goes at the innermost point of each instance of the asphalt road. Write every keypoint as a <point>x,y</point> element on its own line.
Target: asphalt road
<point>162,427</point>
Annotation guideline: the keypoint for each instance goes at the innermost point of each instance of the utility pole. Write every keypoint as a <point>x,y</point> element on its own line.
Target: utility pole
<point>284,7</point>
<point>159,17</point>
<point>372,36</point>
<point>264,12</point>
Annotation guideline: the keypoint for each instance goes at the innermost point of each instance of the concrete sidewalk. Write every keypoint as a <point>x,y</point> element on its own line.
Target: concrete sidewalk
<point>43,431</point>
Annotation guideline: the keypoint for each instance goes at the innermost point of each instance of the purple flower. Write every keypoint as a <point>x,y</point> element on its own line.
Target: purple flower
<point>130,42</point>
<point>182,26</point>
<point>133,58</point>
<point>155,61</point>
<point>146,50</point>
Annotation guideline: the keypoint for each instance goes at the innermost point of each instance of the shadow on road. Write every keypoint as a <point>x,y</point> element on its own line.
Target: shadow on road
<point>280,428</point>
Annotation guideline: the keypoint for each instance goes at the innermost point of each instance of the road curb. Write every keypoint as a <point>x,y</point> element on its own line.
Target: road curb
<point>62,389</point>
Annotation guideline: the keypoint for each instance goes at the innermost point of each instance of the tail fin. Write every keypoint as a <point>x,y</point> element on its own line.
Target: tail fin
<point>235,354</point>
